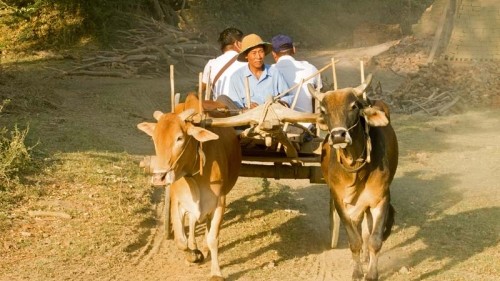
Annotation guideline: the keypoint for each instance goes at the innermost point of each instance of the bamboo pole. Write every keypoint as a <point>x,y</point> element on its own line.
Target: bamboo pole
<point>334,74</point>
<point>172,89</point>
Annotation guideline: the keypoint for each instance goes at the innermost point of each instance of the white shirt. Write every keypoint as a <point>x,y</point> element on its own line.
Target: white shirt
<point>221,86</point>
<point>294,71</point>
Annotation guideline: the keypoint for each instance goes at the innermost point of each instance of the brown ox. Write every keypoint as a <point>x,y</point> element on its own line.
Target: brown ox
<point>359,160</point>
<point>200,195</point>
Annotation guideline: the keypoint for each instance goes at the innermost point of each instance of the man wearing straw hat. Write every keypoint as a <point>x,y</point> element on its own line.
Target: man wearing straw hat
<point>254,83</point>
<point>294,71</point>
<point>218,71</point>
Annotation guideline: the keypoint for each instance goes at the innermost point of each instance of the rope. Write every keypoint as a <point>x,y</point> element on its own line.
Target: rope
<point>199,150</point>
<point>367,148</point>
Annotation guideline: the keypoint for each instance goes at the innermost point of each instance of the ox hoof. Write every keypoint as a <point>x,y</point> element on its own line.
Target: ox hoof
<point>357,276</point>
<point>217,278</point>
<point>194,256</point>
<point>367,278</point>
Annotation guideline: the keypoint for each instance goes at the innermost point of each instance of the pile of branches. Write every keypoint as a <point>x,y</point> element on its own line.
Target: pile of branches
<point>148,51</point>
<point>437,88</point>
<point>444,88</point>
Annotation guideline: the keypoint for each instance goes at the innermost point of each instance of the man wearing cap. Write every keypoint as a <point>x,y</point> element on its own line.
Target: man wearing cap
<point>262,79</point>
<point>219,70</point>
<point>294,71</point>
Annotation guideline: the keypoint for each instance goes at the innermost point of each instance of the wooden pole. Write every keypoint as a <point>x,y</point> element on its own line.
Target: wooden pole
<point>200,93</point>
<point>294,103</point>
<point>334,74</point>
<point>247,92</point>
<point>172,89</point>
<point>208,89</point>
<point>200,97</point>
<point>362,70</point>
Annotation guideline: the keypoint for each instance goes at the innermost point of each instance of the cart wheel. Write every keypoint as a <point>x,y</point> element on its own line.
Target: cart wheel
<point>334,225</point>
<point>166,209</point>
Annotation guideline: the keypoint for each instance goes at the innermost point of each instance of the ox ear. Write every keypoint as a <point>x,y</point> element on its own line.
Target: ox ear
<point>147,128</point>
<point>157,115</point>
<point>375,117</point>
<point>201,134</point>
<point>316,94</point>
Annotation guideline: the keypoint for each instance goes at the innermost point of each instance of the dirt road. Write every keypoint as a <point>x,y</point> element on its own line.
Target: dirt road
<point>446,194</point>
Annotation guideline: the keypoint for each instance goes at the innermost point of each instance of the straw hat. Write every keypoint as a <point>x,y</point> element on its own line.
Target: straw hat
<point>250,41</point>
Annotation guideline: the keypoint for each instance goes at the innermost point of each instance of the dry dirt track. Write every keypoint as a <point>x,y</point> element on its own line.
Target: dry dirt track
<point>446,194</point>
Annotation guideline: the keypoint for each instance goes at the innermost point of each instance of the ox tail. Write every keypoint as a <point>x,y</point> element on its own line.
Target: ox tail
<point>389,222</point>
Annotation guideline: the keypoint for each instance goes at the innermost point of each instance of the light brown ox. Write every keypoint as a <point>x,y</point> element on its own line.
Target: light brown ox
<point>359,167</point>
<point>199,195</point>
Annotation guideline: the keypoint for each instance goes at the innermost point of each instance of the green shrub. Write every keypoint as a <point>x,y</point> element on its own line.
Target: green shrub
<point>14,154</point>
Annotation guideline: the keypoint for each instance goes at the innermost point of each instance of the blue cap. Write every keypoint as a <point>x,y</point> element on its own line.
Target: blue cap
<point>281,42</point>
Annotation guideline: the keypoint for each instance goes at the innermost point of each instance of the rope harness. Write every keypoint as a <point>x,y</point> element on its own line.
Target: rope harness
<point>341,155</point>
<point>199,154</point>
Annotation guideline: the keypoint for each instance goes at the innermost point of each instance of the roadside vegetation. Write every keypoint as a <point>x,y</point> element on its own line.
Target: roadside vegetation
<point>33,25</point>
<point>15,158</point>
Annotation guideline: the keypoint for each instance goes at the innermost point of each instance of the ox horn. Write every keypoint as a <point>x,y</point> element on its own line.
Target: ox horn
<point>316,94</point>
<point>186,113</point>
<point>361,89</point>
<point>157,115</point>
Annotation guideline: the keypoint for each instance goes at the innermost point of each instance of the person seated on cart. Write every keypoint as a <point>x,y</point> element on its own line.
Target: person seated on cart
<point>218,71</point>
<point>294,71</point>
<point>262,79</point>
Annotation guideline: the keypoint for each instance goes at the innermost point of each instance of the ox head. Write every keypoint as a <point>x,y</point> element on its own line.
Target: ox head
<point>176,143</point>
<point>342,109</point>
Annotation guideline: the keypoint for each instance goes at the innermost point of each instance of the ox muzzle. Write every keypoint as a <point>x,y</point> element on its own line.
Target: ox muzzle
<point>339,138</point>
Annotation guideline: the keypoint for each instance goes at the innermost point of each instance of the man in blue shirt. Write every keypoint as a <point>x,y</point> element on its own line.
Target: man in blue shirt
<point>263,80</point>
<point>294,71</point>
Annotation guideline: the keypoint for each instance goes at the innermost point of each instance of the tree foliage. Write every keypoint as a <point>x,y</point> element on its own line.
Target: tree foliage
<point>51,23</point>
<point>56,23</point>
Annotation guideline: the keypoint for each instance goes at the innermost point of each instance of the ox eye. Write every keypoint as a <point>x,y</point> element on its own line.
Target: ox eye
<point>354,106</point>
<point>322,110</point>
<point>180,138</point>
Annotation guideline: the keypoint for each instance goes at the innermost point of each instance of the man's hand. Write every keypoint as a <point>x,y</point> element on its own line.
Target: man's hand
<point>254,105</point>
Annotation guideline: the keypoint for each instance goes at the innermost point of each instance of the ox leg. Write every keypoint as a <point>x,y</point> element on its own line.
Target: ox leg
<point>355,243</point>
<point>178,225</point>
<point>193,255</point>
<point>366,227</point>
<point>213,239</point>
<point>205,248</point>
<point>379,214</point>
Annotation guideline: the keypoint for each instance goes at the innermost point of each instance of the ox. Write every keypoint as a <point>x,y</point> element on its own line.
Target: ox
<point>359,159</point>
<point>198,192</point>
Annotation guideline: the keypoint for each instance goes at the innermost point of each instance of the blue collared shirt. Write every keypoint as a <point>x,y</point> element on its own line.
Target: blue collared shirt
<point>271,83</point>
